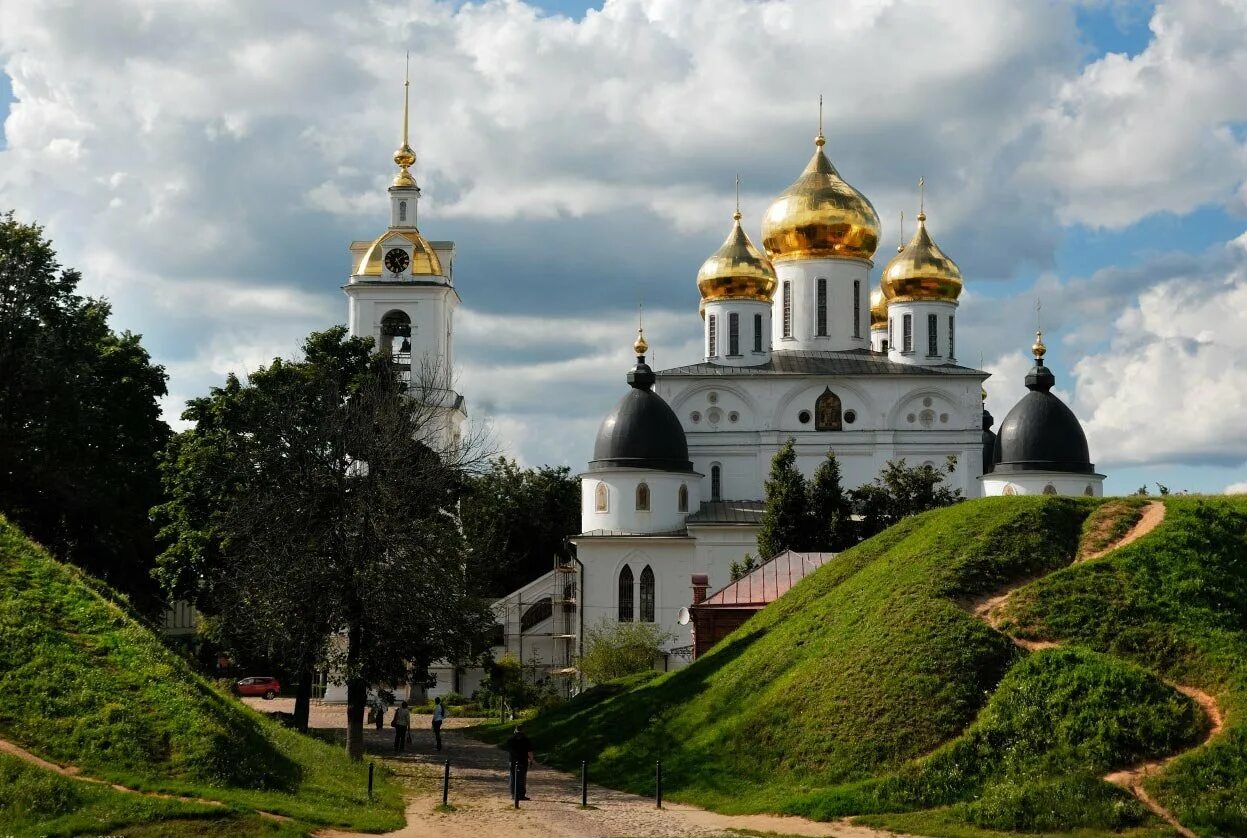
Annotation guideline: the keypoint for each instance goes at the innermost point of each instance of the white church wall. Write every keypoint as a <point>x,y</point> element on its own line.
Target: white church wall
<point>1038,483</point>
<point>621,513</point>
<point>753,332</point>
<point>847,325</point>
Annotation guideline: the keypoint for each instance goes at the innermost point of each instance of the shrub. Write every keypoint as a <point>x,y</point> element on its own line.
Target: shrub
<point>613,650</point>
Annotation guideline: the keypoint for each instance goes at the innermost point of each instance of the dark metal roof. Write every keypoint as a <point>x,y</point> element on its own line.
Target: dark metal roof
<point>624,534</point>
<point>803,362</point>
<point>767,583</point>
<point>642,430</point>
<point>1041,433</point>
<point>728,512</point>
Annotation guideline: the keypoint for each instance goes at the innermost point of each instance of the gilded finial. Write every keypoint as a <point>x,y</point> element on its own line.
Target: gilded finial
<point>983,394</point>
<point>922,200</point>
<point>1038,348</point>
<point>736,216</point>
<point>404,157</point>
<point>640,345</point>
<point>820,140</point>
<point>900,242</point>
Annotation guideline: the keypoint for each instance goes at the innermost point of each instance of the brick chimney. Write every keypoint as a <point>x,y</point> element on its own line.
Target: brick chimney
<point>701,583</point>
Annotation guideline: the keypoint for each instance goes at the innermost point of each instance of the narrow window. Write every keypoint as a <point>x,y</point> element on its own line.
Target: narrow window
<point>890,342</point>
<point>1049,489</point>
<point>820,308</point>
<point>625,595</point>
<point>682,499</point>
<point>716,482</point>
<point>907,333</point>
<point>933,337</point>
<point>647,595</point>
<point>601,498</point>
<point>642,497</point>
<point>857,308</point>
<point>757,333</point>
<point>733,334</point>
<point>713,332</point>
<point>952,339</point>
<point>402,210</point>
<point>827,415</point>
<point>885,346</point>
<point>787,304</point>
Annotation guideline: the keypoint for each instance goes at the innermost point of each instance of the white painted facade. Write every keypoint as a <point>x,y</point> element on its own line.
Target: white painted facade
<point>1042,483</point>
<point>837,317</point>
<point>737,332</point>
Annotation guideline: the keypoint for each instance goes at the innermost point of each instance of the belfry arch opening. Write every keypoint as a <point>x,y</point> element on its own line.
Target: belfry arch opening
<point>396,336</point>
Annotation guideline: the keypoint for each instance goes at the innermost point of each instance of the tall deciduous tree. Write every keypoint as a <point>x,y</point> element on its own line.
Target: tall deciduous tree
<point>312,510</point>
<point>831,514</point>
<point>517,521</point>
<point>80,426</point>
<point>785,517</point>
<point>900,491</point>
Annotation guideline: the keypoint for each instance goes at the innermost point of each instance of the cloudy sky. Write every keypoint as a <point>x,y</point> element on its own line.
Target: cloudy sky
<point>207,164</point>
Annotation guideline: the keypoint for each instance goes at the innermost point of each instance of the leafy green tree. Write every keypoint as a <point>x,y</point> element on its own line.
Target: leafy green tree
<point>742,568</point>
<point>900,491</point>
<point>785,516</point>
<point>311,509</point>
<point>517,521</point>
<point>831,513</point>
<point>80,426</point>
<point>613,650</point>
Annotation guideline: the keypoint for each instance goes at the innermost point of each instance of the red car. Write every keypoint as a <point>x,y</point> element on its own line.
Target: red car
<point>264,686</point>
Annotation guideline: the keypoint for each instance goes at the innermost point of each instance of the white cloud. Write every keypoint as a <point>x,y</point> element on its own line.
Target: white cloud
<point>1173,380</point>
<point>1236,489</point>
<point>1158,131</point>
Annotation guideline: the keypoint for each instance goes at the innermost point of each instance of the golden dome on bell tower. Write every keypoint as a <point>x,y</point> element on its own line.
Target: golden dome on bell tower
<point>878,310</point>
<point>737,270</point>
<point>820,215</point>
<point>920,270</point>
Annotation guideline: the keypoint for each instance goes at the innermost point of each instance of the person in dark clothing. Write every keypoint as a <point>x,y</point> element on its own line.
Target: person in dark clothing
<point>521,750</point>
<point>401,721</point>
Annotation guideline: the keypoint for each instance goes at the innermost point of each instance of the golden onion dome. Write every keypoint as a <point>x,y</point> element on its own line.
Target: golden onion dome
<point>736,271</point>
<point>878,310</point>
<point>921,271</point>
<point>424,260</point>
<point>820,216</point>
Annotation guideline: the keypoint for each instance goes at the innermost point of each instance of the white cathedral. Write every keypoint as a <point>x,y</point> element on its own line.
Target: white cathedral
<point>799,344</point>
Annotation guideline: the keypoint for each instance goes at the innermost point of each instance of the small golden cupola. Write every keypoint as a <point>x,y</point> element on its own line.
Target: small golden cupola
<point>736,271</point>
<point>820,215</point>
<point>920,271</point>
<point>401,251</point>
<point>878,310</point>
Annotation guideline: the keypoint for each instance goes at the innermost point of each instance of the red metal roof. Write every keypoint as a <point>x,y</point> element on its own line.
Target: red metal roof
<point>768,582</point>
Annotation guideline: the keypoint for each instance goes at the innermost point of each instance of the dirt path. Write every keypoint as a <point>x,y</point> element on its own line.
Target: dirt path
<point>74,772</point>
<point>482,808</point>
<point>989,609</point>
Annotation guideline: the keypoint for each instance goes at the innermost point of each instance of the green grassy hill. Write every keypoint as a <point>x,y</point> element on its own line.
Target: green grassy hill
<point>83,684</point>
<point>871,688</point>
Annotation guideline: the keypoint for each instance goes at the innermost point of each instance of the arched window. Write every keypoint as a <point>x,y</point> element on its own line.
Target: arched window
<point>716,482</point>
<point>857,308</point>
<point>647,595</point>
<point>827,414</point>
<point>1089,491</point>
<point>820,307</point>
<point>1049,489</point>
<point>536,613</point>
<point>601,498</point>
<point>402,210</point>
<point>1009,491</point>
<point>395,333</point>
<point>682,499</point>
<point>642,497</point>
<point>786,302</point>
<point>625,595</point>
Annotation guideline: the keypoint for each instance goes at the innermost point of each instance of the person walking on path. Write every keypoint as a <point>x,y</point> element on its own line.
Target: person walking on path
<point>439,716</point>
<point>401,722</point>
<point>521,750</point>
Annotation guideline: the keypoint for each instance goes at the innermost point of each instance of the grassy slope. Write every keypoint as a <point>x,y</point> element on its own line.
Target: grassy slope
<point>1175,603</point>
<point>869,688</point>
<point>82,683</point>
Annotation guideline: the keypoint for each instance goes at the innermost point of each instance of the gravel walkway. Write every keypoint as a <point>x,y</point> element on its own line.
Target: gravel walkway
<point>482,807</point>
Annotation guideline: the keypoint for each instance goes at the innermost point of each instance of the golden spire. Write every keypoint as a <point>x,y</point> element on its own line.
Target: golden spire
<point>737,270</point>
<point>404,157</point>
<point>1037,348</point>
<point>900,240</point>
<point>921,271</point>
<point>640,346</point>
<point>922,200</point>
<point>820,140</point>
<point>736,216</point>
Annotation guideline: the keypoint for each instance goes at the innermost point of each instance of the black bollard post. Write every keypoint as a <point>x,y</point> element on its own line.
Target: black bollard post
<point>515,792</point>
<point>371,767</point>
<point>658,783</point>
<point>446,785</point>
<point>584,784</point>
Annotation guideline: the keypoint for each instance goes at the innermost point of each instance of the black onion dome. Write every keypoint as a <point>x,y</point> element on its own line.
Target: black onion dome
<point>989,442</point>
<point>642,431</point>
<point>1041,433</point>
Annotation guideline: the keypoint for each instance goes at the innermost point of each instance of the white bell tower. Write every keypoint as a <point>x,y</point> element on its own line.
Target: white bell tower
<point>401,293</point>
